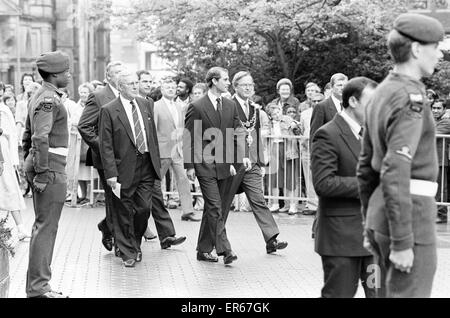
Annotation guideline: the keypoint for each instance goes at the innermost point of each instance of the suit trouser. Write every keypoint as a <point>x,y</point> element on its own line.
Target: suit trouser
<point>342,274</point>
<point>442,209</point>
<point>163,221</point>
<point>131,211</point>
<point>212,229</point>
<point>250,183</point>
<point>47,208</point>
<point>106,224</point>
<point>397,284</point>
<point>313,201</point>
<point>182,181</point>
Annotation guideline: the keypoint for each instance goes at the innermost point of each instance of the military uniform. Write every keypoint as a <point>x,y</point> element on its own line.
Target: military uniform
<point>46,144</point>
<point>397,174</point>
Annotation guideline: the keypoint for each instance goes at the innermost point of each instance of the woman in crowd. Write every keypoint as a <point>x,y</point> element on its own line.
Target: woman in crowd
<point>11,198</point>
<point>26,80</point>
<point>75,112</point>
<point>284,164</point>
<point>286,96</point>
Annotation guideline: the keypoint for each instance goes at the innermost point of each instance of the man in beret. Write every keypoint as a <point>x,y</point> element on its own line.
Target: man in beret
<point>45,144</point>
<point>398,164</point>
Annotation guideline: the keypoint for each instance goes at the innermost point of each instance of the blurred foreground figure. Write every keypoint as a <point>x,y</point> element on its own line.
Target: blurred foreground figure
<point>398,164</point>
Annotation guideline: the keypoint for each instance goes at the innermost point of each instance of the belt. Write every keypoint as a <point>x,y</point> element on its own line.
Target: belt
<point>59,151</point>
<point>423,188</point>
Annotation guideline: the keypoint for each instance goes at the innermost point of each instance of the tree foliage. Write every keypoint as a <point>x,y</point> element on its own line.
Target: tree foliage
<point>299,39</point>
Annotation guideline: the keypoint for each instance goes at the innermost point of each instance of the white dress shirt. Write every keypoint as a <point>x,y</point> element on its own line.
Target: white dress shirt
<point>337,103</point>
<point>354,126</point>
<point>213,99</point>
<point>173,110</point>
<point>244,105</point>
<point>129,110</point>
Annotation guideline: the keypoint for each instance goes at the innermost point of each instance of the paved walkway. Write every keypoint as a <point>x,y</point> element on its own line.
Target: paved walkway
<point>82,268</point>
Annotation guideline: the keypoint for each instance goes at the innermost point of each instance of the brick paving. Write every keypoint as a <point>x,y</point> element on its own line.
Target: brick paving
<point>82,268</point>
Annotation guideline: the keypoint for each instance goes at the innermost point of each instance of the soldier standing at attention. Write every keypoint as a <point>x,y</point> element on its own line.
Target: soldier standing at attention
<point>46,148</point>
<point>398,164</point>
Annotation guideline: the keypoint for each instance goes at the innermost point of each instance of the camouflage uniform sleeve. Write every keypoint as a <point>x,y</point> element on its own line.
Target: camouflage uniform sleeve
<point>42,126</point>
<point>403,130</point>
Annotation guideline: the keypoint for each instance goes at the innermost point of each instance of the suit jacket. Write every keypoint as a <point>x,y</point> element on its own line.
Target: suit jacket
<point>209,145</point>
<point>334,157</point>
<point>89,124</point>
<point>170,133</point>
<point>323,112</point>
<point>117,145</point>
<point>443,128</point>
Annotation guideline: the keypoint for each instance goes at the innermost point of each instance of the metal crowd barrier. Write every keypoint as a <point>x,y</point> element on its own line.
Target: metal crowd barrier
<point>288,174</point>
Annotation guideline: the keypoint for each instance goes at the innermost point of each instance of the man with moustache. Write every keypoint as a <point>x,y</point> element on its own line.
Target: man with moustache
<point>130,155</point>
<point>250,181</point>
<point>334,156</point>
<point>88,126</point>
<point>398,164</point>
<point>212,122</point>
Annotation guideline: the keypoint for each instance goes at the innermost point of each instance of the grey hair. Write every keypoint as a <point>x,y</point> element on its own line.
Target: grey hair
<point>240,75</point>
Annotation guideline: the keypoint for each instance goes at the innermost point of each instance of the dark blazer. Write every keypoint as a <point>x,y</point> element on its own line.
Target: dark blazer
<point>89,124</point>
<point>117,145</point>
<point>334,156</point>
<point>201,117</point>
<point>323,112</point>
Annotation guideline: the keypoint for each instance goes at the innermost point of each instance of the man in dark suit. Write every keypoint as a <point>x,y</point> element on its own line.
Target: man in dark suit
<point>88,127</point>
<point>130,156</point>
<point>334,157</point>
<point>326,110</point>
<point>212,122</point>
<point>250,181</point>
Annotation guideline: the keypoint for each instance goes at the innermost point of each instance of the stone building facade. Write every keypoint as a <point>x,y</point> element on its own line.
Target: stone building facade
<point>30,27</point>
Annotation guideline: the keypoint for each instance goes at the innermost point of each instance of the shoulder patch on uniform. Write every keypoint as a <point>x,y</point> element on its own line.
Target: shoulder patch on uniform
<point>47,104</point>
<point>405,152</point>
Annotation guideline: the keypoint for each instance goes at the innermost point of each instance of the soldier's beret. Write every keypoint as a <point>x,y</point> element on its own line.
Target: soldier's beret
<point>419,27</point>
<point>53,62</point>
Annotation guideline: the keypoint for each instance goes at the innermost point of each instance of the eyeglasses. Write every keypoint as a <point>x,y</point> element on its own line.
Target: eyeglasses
<point>316,101</point>
<point>291,112</point>
<point>247,85</point>
<point>132,83</point>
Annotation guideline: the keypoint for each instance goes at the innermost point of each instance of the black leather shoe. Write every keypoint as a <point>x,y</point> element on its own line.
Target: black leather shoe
<point>191,217</point>
<point>229,257</point>
<point>129,263</point>
<point>51,294</point>
<point>207,257</point>
<point>106,239</point>
<point>273,245</point>
<point>172,240</point>
<point>139,257</point>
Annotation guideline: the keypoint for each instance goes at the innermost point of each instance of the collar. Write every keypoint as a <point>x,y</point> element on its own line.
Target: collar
<point>167,101</point>
<point>354,125</point>
<point>53,88</point>
<point>336,101</point>
<point>397,75</point>
<point>240,100</point>
<point>126,102</point>
<point>115,91</point>
<point>213,98</point>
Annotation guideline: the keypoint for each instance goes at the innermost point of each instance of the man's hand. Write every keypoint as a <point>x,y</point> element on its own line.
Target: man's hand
<point>232,170</point>
<point>112,182</point>
<point>402,260</point>
<point>191,174</point>
<point>39,187</point>
<point>247,164</point>
<point>1,168</point>
<point>368,246</point>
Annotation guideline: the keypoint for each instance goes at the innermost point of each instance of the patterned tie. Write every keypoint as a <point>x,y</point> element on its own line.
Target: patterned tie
<point>138,131</point>
<point>361,132</point>
<point>219,108</point>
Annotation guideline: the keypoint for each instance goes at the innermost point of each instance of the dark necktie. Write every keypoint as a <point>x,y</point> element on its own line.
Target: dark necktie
<point>138,131</point>
<point>361,132</point>
<point>219,108</point>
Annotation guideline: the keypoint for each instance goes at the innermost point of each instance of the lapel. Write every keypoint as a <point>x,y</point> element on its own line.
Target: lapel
<point>145,118</point>
<point>347,135</point>
<point>210,112</point>
<point>168,113</point>
<point>331,107</point>
<point>124,119</point>
<point>241,113</point>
